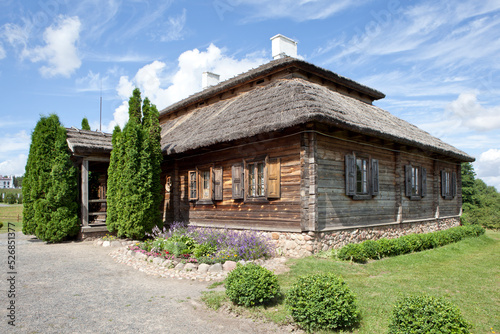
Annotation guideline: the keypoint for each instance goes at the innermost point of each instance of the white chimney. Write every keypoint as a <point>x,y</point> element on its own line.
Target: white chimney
<point>209,79</point>
<point>283,46</point>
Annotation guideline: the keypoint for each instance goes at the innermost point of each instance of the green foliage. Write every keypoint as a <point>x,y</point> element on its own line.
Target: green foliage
<point>134,187</point>
<point>251,285</point>
<point>322,301</point>
<point>10,199</point>
<point>426,314</point>
<point>1,224</point>
<point>184,239</point>
<point>20,199</point>
<point>481,203</point>
<point>352,252</point>
<point>50,187</point>
<point>371,249</point>
<point>85,124</point>
<point>204,250</point>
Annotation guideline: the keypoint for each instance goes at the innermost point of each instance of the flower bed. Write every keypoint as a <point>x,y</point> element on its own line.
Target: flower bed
<point>190,244</point>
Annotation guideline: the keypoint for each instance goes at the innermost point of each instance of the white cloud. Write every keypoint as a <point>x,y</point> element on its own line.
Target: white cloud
<point>175,28</point>
<point>2,52</point>
<point>487,167</point>
<point>14,165</point>
<point>473,115</point>
<point>92,82</point>
<point>60,51</point>
<point>13,142</point>
<point>302,10</point>
<point>165,87</point>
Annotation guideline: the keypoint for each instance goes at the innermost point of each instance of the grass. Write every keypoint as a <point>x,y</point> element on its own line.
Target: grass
<point>10,214</point>
<point>466,273</point>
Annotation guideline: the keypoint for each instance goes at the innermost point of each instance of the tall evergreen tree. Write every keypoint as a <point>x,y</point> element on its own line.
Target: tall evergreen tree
<point>85,124</point>
<point>50,187</point>
<point>134,172</point>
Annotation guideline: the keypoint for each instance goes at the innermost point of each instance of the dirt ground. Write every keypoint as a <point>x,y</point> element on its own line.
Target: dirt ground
<point>77,288</point>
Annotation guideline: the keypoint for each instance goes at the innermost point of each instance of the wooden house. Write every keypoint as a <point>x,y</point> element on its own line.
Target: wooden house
<point>301,153</point>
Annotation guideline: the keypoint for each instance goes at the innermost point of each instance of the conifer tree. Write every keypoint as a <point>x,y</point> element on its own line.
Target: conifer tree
<point>85,124</point>
<point>134,172</point>
<point>50,186</point>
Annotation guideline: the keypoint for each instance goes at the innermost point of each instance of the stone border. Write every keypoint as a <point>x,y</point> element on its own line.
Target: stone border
<point>158,266</point>
<point>304,244</point>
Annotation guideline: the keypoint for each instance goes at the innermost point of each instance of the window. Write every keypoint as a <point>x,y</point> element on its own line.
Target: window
<point>361,176</point>
<point>448,184</point>
<point>415,182</point>
<point>205,184</point>
<point>256,179</point>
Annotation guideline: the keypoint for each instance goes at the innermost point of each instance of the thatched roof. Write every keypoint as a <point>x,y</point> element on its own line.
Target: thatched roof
<point>85,141</point>
<point>269,68</point>
<point>285,103</point>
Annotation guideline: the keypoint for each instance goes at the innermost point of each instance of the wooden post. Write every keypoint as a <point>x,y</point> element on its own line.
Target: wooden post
<point>85,192</point>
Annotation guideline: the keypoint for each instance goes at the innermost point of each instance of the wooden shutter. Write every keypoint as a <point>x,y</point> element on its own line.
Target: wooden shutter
<point>192,185</point>
<point>273,178</point>
<point>423,179</point>
<point>453,185</point>
<point>408,177</point>
<point>217,177</point>
<point>237,181</point>
<point>374,177</point>
<point>443,183</point>
<point>350,175</point>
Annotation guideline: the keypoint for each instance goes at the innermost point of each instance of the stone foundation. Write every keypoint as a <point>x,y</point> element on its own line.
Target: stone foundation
<point>304,244</point>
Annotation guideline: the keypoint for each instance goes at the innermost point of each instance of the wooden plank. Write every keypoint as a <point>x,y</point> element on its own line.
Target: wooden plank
<point>85,192</point>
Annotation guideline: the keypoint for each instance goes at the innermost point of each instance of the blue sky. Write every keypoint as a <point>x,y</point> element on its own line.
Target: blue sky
<point>437,61</point>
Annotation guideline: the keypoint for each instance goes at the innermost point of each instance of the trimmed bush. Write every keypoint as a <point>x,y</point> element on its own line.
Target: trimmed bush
<point>251,285</point>
<point>426,314</point>
<point>371,249</point>
<point>353,252</point>
<point>322,301</point>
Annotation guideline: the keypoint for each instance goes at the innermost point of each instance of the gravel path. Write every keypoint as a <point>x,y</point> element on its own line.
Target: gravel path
<point>78,288</point>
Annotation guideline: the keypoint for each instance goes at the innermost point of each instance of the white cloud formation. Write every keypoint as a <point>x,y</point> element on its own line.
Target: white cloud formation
<point>487,167</point>
<point>13,142</point>
<point>2,52</point>
<point>60,51</point>
<point>14,165</point>
<point>175,28</point>
<point>164,87</point>
<point>92,82</point>
<point>473,115</point>
<point>298,10</point>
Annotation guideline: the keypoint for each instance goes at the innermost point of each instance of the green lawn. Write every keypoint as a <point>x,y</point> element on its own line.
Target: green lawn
<point>10,214</point>
<point>466,273</point>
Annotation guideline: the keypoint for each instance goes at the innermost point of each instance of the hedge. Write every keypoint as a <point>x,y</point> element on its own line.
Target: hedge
<point>377,249</point>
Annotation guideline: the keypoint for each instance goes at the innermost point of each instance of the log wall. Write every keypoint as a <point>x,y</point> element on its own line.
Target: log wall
<point>283,214</point>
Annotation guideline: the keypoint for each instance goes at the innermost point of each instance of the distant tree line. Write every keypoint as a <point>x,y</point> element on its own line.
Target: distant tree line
<point>481,203</point>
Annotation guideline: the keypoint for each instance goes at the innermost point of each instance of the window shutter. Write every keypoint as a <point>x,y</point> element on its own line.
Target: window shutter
<point>273,178</point>
<point>217,177</point>
<point>192,185</point>
<point>350,175</point>
<point>374,177</point>
<point>237,181</point>
<point>408,180</point>
<point>443,183</point>
<point>423,179</point>
<point>453,186</point>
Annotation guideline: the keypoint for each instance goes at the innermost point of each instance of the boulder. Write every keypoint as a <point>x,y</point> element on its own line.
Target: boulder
<point>215,268</point>
<point>203,268</point>
<point>229,265</point>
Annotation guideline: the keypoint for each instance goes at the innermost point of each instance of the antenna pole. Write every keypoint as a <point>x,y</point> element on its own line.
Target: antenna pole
<point>100,110</point>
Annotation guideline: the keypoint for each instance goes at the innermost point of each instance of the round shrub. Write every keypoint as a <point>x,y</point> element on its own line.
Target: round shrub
<point>352,252</point>
<point>1,224</point>
<point>250,285</point>
<point>371,249</point>
<point>322,301</point>
<point>426,314</point>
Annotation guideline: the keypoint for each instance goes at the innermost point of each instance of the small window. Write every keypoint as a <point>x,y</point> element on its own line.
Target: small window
<point>205,184</point>
<point>448,184</point>
<point>256,179</point>
<point>193,185</point>
<point>416,182</point>
<point>361,176</point>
